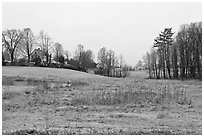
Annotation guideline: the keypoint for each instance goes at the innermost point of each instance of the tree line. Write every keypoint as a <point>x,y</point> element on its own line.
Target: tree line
<point>110,64</point>
<point>178,57</point>
<point>18,47</point>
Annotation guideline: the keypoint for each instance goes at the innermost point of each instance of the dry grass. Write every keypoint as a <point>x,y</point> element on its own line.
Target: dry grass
<point>87,131</point>
<point>99,105</point>
<point>131,97</point>
<point>10,95</point>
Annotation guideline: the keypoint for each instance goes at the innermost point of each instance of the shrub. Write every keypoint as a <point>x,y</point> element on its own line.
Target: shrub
<point>61,59</point>
<point>21,62</point>
<point>37,60</point>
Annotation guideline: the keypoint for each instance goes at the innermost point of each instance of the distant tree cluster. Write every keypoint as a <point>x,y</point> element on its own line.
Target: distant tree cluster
<point>18,45</point>
<point>22,47</point>
<point>111,65</point>
<point>179,57</point>
<point>84,58</point>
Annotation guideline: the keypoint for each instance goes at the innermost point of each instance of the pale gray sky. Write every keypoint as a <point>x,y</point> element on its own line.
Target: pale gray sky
<point>126,28</point>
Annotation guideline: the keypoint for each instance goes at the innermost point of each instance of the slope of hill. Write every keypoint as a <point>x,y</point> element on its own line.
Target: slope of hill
<point>42,72</point>
<point>41,101</point>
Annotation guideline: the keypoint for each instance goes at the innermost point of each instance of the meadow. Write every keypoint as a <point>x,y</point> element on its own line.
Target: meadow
<point>54,101</point>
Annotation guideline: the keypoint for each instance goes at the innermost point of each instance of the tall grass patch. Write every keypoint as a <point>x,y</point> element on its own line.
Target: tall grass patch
<point>161,96</point>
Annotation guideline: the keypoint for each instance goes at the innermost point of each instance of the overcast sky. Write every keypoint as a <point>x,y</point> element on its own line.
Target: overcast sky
<point>126,28</point>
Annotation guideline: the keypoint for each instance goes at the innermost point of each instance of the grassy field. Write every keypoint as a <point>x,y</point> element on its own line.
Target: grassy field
<point>60,101</point>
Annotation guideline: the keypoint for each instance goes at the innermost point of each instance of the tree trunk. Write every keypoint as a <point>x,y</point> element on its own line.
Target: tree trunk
<point>12,57</point>
<point>150,73</point>
<point>120,72</point>
<point>108,72</point>
<point>29,58</point>
<point>169,70</point>
<point>155,69</point>
<point>47,59</point>
<point>164,70</point>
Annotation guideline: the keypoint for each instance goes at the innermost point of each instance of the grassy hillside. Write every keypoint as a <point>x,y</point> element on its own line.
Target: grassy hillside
<point>39,101</point>
<point>42,72</point>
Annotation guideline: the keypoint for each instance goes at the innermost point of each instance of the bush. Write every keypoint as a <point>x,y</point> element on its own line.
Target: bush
<point>61,59</point>
<point>37,60</point>
<point>21,62</point>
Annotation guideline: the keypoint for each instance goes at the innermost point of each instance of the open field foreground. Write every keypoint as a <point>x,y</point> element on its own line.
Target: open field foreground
<point>61,101</point>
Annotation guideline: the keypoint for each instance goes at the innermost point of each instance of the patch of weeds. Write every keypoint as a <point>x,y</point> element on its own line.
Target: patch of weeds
<point>18,78</point>
<point>37,100</point>
<point>163,98</point>
<point>118,116</point>
<point>10,107</point>
<point>26,132</point>
<point>13,101</point>
<point>79,83</point>
<point>162,132</point>
<point>161,115</point>
<point>40,97</point>
<point>168,96</point>
<point>10,95</point>
<point>112,98</point>
<point>39,90</point>
<point>95,131</point>
<point>7,82</point>
<point>183,100</point>
<point>78,100</point>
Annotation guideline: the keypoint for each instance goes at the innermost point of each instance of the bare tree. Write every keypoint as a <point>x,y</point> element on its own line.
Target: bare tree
<point>174,61</point>
<point>149,64</point>
<point>87,59</point>
<point>84,58</point>
<point>45,42</point>
<point>189,43</point>
<point>102,59</point>
<point>117,66</point>
<point>27,45</point>
<point>11,39</point>
<point>163,44</point>
<point>77,52</point>
<point>181,55</point>
<point>67,54</point>
<point>153,61</point>
<point>121,63</point>
<point>58,51</point>
<point>111,62</point>
<point>139,65</point>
